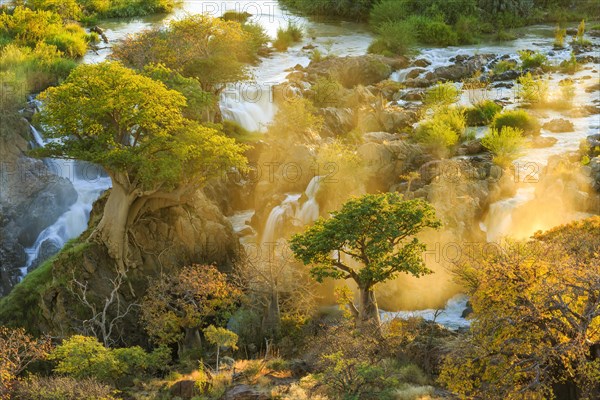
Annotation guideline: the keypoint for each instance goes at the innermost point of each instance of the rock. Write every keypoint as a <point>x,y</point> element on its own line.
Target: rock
<point>244,392</point>
<point>593,88</point>
<point>417,83</point>
<point>421,62</point>
<point>185,389</point>
<point>352,70</point>
<point>559,125</point>
<point>464,67</point>
<point>47,250</point>
<point>415,73</point>
<point>470,148</point>
<point>394,119</point>
<point>338,120</point>
<point>510,75</point>
<point>467,311</point>
<point>413,96</point>
<point>309,47</point>
<point>540,142</point>
<point>379,137</point>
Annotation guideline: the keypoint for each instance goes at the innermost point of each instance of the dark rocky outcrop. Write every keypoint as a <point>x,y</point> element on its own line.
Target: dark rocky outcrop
<point>244,392</point>
<point>463,67</point>
<point>32,198</point>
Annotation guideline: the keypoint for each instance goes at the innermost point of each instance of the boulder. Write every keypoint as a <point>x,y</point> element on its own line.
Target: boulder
<point>379,137</point>
<point>540,142</point>
<point>338,121</point>
<point>464,67</point>
<point>185,389</point>
<point>559,125</point>
<point>244,392</point>
<point>352,70</point>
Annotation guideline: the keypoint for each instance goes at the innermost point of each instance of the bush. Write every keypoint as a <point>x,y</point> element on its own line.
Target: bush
<point>482,113</point>
<point>503,66</point>
<point>559,37</point>
<point>288,36</point>
<point>533,90</point>
<point>442,131</point>
<point>570,66</point>
<point>567,92</point>
<point>505,144</point>
<point>531,59</point>
<point>580,36</point>
<point>433,32</point>
<point>519,119</point>
<point>62,388</point>
<point>394,38</point>
<point>442,94</point>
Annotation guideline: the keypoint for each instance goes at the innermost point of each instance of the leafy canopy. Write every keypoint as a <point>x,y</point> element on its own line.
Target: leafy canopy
<point>376,230</point>
<point>210,49</point>
<point>197,296</point>
<point>131,124</point>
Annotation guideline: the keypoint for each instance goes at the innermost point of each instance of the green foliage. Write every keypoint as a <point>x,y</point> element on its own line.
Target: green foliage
<point>567,92</point>
<point>519,119</point>
<point>27,27</point>
<point>533,59</point>
<point>442,131</point>
<point>506,144</point>
<point>513,8</point>
<point>257,41</point>
<point>353,9</point>
<point>198,102</point>
<point>62,388</point>
<point>533,90</point>
<point>220,337</point>
<point>504,65</point>
<point>212,50</point>
<point>327,92</point>
<point>482,113</point>
<point>570,66</point>
<point>376,231</point>
<point>559,37</point>
<point>442,94</point>
<point>579,38</point>
<point>124,8</point>
<point>295,119</point>
<point>85,357</point>
<point>288,36</point>
<point>97,114</point>
<point>393,38</point>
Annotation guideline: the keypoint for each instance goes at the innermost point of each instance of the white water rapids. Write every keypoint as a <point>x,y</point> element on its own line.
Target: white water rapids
<point>251,105</point>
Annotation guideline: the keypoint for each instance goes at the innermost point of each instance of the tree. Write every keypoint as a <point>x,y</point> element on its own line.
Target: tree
<point>133,127</point>
<point>176,307</point>
<point>377,232</point>
<point>210,49</point>
<point>536,319</point>
<point>17,351</point>
<point>220,337</point>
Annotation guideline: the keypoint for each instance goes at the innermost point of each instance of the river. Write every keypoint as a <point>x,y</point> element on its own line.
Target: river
<point>250,104</point>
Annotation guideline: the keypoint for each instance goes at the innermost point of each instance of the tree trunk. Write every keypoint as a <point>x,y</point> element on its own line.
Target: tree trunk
<point>272,318</point>
<point>191,340</point>
<point>113,227</point>
<point>367,310</point>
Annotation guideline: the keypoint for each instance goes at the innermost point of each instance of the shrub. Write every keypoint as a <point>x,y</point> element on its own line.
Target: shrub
<point>580,36</point>
<point>327,92</point>
<point>505,144</point>
<point>62,388</point>
<point>442,131</point>
<point>504,65</point>
<point>570,66</point>
<point>394,38</point>
<point>296,118</point>
<point>432,32</point>
<point>519,119</point>
<point>559,37</point>
<point>258,39</point>
<point>482,113</point>
<point>533,90</point>
<point>442,94</point>
<point>467,28</point>
<point>237,16</point>
<point>531,59</point>
<point>567,92</point>
<point>278,364</point>
<point>288,36</point>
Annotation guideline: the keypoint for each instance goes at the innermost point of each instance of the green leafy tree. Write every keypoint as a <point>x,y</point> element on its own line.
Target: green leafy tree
<point>210,49</point>
<point>84,357</point>
<point>220,337</point>
<point>370,240</point>
<point>133,127</point>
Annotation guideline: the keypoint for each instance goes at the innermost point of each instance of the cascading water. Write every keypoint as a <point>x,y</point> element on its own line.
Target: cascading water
<point>451,316</point>
<point>89,182</point>
<point>290,209</point>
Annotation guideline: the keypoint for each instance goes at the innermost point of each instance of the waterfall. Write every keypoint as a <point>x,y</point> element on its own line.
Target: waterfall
<point>290,209</point>
<point>499,222</point>
<point>89,181</point>
<point>309,211</point>
<point>251,106</point>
